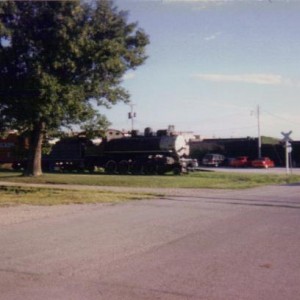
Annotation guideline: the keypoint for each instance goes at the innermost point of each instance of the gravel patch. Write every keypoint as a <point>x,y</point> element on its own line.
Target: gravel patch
<point>24,213</point>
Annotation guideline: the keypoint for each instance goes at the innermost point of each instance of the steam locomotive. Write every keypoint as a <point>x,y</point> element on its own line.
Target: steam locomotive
<point>150,153</point>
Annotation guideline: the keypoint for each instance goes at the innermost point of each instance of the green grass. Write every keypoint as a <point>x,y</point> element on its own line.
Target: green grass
<point>11,196</point>
<point>14,195</point>
<point>216,180</point>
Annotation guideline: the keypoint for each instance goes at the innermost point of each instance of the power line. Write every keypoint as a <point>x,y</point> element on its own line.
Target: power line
<point>281,118</point>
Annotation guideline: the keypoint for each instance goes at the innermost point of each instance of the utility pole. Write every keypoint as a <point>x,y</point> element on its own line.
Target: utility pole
<point>258,131</point>
<point>131,115</point>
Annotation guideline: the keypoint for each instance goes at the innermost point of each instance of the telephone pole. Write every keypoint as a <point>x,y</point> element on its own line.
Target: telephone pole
<point>258,131</point>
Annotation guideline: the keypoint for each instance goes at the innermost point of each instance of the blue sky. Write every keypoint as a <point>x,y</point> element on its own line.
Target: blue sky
<point>211,63</point>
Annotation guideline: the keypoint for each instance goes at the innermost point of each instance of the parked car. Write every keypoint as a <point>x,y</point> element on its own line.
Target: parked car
<point>240,162</point>
<point>264,162</point>
<point>213,160</point>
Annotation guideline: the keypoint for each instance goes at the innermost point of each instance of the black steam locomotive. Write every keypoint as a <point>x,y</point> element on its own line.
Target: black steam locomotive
<point>150,153</point>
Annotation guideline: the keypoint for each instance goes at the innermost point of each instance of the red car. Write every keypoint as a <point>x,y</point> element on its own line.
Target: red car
<point>239,162</point>
<point>264,162</point>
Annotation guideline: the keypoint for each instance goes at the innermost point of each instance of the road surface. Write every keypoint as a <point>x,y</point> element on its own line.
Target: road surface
<point>193,244</point>
<point>275,171</point>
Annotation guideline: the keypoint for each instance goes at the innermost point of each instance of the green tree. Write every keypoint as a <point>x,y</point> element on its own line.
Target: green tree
<point>96,126</point>
<point>59,60</point>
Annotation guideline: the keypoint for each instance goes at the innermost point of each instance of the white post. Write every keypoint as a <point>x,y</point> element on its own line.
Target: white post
<point>288,148</point>
<point>287,167</point>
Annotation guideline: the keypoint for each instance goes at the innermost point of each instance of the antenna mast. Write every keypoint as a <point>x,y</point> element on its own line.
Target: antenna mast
<point>131,115</point>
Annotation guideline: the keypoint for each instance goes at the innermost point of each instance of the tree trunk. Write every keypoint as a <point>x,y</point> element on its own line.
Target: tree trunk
<point>34,166</point>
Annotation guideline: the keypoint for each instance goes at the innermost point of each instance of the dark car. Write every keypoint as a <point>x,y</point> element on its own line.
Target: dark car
<point>213,160</point>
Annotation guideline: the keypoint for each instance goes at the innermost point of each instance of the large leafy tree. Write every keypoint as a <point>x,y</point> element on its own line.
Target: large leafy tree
<point>58,60</point>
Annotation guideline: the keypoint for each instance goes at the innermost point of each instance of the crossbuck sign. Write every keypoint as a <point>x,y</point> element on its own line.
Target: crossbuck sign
<point>288,148</point>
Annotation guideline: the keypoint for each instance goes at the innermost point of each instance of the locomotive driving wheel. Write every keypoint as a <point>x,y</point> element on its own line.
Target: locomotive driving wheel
<point>123,167</point>
<point>161,169</point>
<point>111,167</point>
<point>136,168</point>
<point>177,170</point>
<point>149,168</point>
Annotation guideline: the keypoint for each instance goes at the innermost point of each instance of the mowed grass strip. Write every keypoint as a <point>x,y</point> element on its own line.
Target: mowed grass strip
<point>213,180</point>
<point>14,195</point>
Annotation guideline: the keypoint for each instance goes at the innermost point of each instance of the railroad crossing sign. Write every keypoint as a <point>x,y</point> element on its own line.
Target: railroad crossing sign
<point>287,140</point>
<point>286,136</point>
<point>288,148</point>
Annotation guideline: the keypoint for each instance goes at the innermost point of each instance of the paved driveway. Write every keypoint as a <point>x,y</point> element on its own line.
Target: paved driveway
<point>193,244</point>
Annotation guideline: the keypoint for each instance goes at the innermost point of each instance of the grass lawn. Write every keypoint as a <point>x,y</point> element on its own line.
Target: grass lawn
<point>213,180</point>
<point>11,196</point>
<point>14,195</point>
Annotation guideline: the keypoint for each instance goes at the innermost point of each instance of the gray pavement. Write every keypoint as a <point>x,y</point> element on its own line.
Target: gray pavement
<point>278,171</point>
<point>200,244</point>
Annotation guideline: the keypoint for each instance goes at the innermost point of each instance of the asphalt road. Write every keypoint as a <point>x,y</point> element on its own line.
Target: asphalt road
<point>276,171</point>
<point>202,244</point>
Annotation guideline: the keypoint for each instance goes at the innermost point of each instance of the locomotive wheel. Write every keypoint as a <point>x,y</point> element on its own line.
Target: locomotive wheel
<point>136,168</point>
<point>123,167</point>
<point>89,166</point>
<point>111,167</point>
<point>176,170</point>
<point>161,169</point>
<point>149,168</point>
<point>91,169</point>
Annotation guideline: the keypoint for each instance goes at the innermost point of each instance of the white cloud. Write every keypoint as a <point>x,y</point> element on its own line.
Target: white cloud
<point>197,5</point>
<point>187,0</point>
<point>129,76</point>
<point>212,36</point>
<point>209,38</point>
<point>264,79</point>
